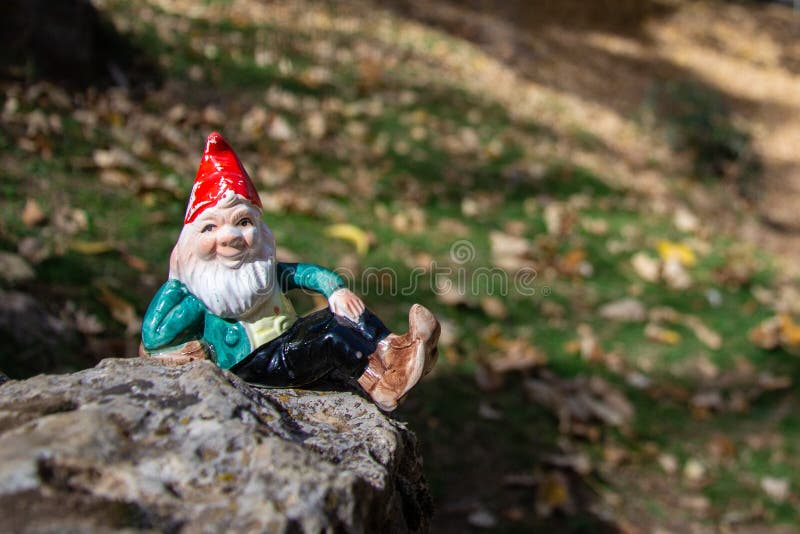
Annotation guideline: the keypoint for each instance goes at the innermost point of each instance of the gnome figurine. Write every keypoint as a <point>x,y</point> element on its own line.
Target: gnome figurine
<point>225,301</point>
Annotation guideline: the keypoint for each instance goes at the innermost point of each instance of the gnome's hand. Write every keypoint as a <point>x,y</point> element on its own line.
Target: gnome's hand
<point>347,304</point>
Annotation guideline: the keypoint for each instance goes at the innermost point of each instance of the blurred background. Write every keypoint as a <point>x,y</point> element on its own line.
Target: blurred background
<point>600,200</point>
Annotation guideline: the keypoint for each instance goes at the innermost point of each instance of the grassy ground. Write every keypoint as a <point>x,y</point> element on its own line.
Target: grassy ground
<point>434,149</point>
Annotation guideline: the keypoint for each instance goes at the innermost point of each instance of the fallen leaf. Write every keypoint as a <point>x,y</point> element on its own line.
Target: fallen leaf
<point>669,463</point>
<point>594,226</point>
<point>722,447</point>
<point>482,518</point>
<point>579,403</point>
<point>675,275</point>
<point>92,248</point>
<point>280,130</point>
<point>553,494</point>
<point>694,471</point>
<point>349,232</point>
<point>494,307</point>
<point>776,488</point>
<point>789,330</point>
<point>32,214</point>
<point>134,262</point>
<point>660,334</point>
<point>700,504</point>
<point>69,221</point>
<point>649,269</point>
<point>33,249</point>
<point>518,355</point>
<point>590,348</point>
<point>87,323</point>
<point>780,330</point>
<point>573,263</point>
<point>487,379</point>
<point>121,310</point>
<point>624,310</point>
<point>316,125</point>
<point>510,253</point>
<point>488,412</point>
<point>559,219</point>
<point>614,456</point>
<point>578,462</point>
<point>706,335</point>
<point>14,269</point>
<point>685,220</point>
<point>767,334</point>
<point>670,250</point>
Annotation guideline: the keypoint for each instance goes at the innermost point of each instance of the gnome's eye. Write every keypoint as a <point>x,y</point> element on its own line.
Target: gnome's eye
<point>207,228</point>
<point>246,222</point>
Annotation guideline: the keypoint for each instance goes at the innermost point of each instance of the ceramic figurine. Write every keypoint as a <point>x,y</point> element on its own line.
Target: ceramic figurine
<point>225,301</point>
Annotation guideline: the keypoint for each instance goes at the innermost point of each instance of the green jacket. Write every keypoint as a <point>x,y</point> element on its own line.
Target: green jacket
<point>176,316</point>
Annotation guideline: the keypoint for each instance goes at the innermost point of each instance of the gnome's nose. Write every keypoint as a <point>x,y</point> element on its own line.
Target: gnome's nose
<point>231,237</point>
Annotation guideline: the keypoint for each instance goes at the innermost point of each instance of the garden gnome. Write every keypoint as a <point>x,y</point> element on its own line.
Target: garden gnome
<point>225,301</point>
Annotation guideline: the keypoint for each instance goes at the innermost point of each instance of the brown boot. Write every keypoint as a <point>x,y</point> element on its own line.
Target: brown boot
<point>423,326</point>
<point>400,361</point>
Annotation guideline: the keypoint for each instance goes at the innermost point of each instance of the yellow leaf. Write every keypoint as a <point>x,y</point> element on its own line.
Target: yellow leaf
<point>351,233</point>
<point>678,251</point>
<point>92,247</point>
<point>661,334</point>
<point>790,331</point>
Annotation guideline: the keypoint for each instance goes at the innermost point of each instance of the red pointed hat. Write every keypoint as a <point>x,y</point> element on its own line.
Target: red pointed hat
<point>220,171</point>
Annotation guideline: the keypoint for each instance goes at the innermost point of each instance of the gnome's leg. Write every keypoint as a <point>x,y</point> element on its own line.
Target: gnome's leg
<point>318,345</point>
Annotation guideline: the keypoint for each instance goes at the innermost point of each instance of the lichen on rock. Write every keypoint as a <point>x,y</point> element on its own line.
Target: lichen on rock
<point>133,444</point>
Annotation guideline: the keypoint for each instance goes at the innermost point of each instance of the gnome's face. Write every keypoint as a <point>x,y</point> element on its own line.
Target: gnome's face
<point>226,258</point>
<point>228,233</point>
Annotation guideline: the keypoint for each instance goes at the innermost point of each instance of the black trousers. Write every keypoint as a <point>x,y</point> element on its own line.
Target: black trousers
<point>318,346</point>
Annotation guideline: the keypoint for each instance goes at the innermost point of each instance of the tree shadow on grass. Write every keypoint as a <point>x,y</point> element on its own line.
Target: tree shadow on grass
<point>477,465</point>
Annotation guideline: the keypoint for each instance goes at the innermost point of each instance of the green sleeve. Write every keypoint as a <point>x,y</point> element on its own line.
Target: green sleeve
<point>173,317</point>
<point>308,276</point>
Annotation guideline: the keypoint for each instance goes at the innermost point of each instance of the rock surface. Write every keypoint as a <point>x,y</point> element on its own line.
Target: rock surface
<point>133,444</point>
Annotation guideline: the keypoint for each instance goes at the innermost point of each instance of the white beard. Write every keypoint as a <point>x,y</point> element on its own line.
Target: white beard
<point>232,293</point>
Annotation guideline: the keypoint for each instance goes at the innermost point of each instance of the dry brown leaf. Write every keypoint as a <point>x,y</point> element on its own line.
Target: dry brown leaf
<point>494,307</point>
<point>669,463</point>
<point>777,489</point>
<point>487,379</point>
<point>482,518</point>
<point>580,403</point>
<point>573,263</point>
<point>580,462</point>
<point>722,447</point>
<point>559,219</point>
<point>590,348</point>
<point>510,253</point>
<point>694,471</point>
<point>121,310</point>
<point>777,331</point>
<point>706,335</point>
<point>675,275</point>
<point>519,355</point>
<point>660,334</point>
<point>14,269</point>
<point>553,494</point>
<point>32,214</point>
<point>594,226</point>
<point>648,268</point>
<point>624,310</point>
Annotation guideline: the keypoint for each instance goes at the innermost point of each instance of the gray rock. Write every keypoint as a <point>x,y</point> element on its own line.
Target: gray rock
<point>131,444</point>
